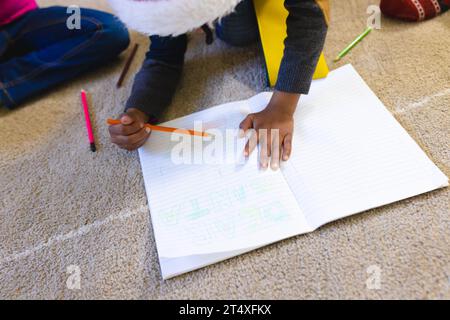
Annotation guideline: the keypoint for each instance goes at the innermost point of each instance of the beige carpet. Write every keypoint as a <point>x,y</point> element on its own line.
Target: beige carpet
<point>62,205</point>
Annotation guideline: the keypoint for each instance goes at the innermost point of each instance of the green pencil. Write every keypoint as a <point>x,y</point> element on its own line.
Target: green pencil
<point>344,52</point>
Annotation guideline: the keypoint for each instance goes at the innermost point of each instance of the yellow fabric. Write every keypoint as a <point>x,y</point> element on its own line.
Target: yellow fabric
<point>325,6</point>
<point>271,15</point>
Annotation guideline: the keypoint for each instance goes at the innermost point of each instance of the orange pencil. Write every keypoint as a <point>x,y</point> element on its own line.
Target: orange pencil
<point>165,129</point>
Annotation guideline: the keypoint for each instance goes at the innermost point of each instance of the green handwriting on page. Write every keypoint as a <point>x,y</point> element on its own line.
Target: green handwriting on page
<point>206,208</point>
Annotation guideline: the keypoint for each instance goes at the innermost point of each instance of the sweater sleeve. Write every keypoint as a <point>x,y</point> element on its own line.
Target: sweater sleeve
<point>307,25</point>
<point>155,84</point>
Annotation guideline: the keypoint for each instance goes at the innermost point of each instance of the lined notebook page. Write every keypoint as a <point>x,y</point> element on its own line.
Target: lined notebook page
<point>349,152</point>
<point>207,208</point>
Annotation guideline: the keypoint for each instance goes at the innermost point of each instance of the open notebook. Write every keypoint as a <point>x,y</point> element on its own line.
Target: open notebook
<point>349,155</point>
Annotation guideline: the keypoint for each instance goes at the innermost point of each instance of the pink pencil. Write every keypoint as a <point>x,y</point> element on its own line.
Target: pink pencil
<point>88,120</point>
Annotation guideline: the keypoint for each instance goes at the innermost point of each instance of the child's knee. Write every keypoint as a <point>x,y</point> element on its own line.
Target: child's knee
<point>113,35</point>
<point>117,34</point>
<point>240,28</point>
<point>237,38</point>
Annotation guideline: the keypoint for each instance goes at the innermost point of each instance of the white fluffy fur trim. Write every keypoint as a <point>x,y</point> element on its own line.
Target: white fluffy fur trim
<point>170,17</point>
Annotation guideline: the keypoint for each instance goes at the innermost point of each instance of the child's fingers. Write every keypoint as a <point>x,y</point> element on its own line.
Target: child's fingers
<point>140,137</point>
<point>125,130</point>
<point>126,119</point>
<point>251,143</point>
<point>141,142</point>
<point>264,148</point>
<point>128,142</point>
<point>246,124</point>
<point>287,147</point>
<point>276,150</point>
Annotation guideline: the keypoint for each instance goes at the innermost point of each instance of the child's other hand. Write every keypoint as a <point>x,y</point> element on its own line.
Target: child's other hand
<point>274,127</point>
<point>131,133</point>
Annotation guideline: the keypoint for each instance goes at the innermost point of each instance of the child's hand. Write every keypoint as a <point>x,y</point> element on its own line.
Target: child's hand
<point>131,133</point>
<point>277,116</point>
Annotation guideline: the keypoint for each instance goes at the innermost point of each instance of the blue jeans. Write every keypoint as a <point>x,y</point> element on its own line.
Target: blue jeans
<point>38,51</point>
